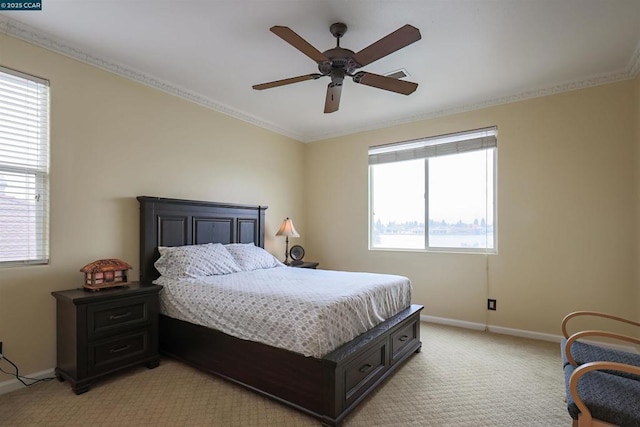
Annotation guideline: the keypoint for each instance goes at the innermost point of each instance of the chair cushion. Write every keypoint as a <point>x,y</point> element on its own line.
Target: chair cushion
<point>610,398</point>
<point>585,353</point>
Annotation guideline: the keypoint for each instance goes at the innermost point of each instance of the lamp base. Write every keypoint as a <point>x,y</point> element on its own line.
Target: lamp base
<point>286,251</point>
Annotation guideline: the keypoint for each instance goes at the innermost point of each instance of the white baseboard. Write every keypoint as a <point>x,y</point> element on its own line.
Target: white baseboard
<point>14,384</point>
<point>540,336</point>
<point>453,322</point>
<point>519,332</point>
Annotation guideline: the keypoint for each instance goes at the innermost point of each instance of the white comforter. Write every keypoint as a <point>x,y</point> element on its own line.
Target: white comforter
<point>307,311</point>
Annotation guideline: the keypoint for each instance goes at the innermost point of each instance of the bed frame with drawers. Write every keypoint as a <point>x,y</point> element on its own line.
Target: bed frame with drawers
<point>326,388</point>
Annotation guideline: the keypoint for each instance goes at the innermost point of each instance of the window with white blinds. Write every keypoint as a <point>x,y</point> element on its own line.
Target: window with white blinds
<point>24,169</point>
<point>434,193</point>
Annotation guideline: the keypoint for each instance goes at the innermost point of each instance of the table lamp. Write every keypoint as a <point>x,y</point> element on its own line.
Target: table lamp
<point>288,230</point>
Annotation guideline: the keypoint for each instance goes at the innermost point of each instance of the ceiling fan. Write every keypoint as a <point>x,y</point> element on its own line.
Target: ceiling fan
<point>338,62</point>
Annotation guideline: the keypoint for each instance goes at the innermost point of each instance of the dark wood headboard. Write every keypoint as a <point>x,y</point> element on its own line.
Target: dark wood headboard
<point>174,222</point>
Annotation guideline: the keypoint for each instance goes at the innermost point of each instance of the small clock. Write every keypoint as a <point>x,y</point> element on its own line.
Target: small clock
<point>296,253</point>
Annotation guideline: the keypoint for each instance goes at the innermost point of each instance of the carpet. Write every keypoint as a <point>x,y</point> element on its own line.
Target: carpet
<point>461,378</point>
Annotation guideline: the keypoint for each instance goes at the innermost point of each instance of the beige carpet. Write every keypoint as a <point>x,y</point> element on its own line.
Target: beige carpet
<point>461,378</point>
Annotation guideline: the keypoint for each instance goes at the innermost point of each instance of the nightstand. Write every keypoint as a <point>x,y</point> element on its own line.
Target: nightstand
<point>305,264</point>
<point>100,332</point>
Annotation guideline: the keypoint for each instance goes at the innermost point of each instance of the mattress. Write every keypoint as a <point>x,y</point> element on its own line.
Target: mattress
<point>311,312</point>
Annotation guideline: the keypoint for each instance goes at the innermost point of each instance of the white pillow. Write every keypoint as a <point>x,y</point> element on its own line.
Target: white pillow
<point>188,262</point>
<point>251,257</point>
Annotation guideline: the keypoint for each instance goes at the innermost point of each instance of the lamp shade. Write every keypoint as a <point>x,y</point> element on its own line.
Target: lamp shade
<point>287,229</point>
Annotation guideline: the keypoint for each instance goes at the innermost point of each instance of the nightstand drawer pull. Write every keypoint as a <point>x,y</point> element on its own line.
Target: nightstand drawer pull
<point>366,368</point>
<point>119,316</point>
<point>119,349</point>
<point>404,338</point>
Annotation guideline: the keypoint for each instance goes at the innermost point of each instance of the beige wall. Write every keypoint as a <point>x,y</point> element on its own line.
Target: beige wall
<point>112,140</point>
<point>566,212</point>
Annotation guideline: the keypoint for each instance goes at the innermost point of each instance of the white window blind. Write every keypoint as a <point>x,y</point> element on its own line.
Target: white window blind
<point>24,169</point>
<point>445,145</point>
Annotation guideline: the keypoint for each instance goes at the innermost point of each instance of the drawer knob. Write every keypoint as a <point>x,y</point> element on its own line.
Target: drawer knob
<point>119,316</point>
<point>366,368</point>
<point>119,349</point>
<point>404,338</point>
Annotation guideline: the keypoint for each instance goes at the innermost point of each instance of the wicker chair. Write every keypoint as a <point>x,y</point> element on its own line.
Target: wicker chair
<point>602,384</point>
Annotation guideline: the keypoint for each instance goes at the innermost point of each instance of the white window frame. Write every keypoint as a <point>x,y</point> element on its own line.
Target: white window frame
<point>18,136</point>
<point>425,148</point>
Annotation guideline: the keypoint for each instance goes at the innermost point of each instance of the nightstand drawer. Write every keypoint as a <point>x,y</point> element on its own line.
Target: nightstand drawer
<point>113,352</point>
<point>105,318</point>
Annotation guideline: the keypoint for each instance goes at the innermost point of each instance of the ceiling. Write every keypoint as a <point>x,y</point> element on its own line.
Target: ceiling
<point>473,53</point>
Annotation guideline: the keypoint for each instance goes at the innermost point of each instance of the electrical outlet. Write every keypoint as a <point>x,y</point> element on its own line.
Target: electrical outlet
<point>491,304</point>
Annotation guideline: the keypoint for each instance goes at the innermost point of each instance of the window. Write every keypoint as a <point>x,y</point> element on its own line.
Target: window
<point>24,169</point>
<point>435,193</point>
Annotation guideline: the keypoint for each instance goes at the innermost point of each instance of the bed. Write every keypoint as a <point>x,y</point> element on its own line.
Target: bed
<point>328,387</point>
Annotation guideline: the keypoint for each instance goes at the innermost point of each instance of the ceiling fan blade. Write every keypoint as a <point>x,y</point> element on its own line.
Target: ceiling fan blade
<point>288,35</point>
<point>386,83</point>
<point>400,38</point>
<point>332,102</point>
<point>287,81</point>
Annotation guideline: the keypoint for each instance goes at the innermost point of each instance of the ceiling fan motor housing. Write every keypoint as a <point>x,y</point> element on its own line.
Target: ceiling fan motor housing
<point>339,59</point>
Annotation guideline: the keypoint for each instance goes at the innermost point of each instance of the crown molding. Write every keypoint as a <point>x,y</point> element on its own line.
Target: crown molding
<point>634,62</point>
<point>32,35</point>
<point>630,71</point>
